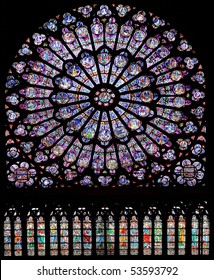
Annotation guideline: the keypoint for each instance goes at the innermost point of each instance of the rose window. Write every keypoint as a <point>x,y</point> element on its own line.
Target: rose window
<point>105,96</point>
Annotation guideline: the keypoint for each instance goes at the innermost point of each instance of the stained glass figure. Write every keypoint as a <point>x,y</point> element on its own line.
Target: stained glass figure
<point>152,232</point>
<point>30,236</point>
<point>17,237</point>
<point>147,235</point>
<point>171,235</point>
<point>54,243</point>
<point>128,232</point>
<point>105,232</point>
<point>41,236</point>
<point>110,235</point>
<point>205,235</point>
<point>200,231</point>
<point>77,236</point>
<point>158,235</point>
<point>87,236</point>
<point>100,236</point>
<point>64,236</point>
<point>195,236</point>
<point>82,233</point>
<point>123,236</point>
<point>7,237</point>
<point>108,91</point>
<point>134,236</point>
<point>181,235</point>
<point>176,232</point>
<point>35,226</point>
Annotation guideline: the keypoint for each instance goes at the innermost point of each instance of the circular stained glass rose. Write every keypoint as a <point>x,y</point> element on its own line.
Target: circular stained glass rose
<point>109,91</point>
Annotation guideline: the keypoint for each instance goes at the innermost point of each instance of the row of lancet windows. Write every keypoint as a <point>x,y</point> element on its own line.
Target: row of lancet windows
<point>83,235</point>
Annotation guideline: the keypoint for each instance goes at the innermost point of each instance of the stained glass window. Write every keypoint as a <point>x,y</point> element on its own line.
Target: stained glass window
<point>17,237</point>
<point>195,236</point>
<point>113,93</point>
<point>134,236</point>
<point>158,235</point>
<point>128,232</point>
<point>54,243</point>
<point>59,233</point>
<point>200,232</point>
<point>82,233</point>
<point>77,236</point>
<point>171,235</point>
<point>152,232</point>
<point>123,236</point>
<point>181,235</point>
<point>41,236</point>
<point>100,236</point>
<point>87,236</point>
<point>64,236</point>
<point>147,236</point>
<point>30,236</point>
<point>105,224</point>
<point>7,237</point>
<point>110,235</point>
<point>176,232</point>
<point>105,232</point>
<point>205,235</point>
<point>35,226</point>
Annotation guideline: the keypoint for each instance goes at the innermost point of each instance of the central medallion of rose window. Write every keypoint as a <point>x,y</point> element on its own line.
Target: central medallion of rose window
<point>104,97</point>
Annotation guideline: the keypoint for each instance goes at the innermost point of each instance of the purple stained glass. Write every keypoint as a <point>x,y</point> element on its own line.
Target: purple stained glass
<point>120,98</point>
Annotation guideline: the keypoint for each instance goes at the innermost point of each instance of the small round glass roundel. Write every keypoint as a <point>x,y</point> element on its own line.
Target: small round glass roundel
<point>62,98</point>
<point>104,97</point>
<point>146,96</point>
